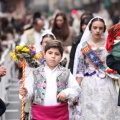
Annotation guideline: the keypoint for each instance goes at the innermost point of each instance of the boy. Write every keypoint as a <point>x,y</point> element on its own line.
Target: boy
<point>51,86</point>
<point>113,47</point>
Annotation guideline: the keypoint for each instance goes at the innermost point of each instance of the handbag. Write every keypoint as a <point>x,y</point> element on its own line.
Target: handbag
<point>2,107</point>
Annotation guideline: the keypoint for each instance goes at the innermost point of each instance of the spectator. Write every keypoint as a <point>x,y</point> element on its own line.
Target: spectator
<point>85,18</point>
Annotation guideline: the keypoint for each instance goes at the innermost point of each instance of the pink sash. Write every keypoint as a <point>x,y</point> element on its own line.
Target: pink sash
<point>57,112</point>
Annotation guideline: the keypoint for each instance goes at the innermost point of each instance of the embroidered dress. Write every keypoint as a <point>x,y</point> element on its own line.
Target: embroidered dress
<point>98,99</point>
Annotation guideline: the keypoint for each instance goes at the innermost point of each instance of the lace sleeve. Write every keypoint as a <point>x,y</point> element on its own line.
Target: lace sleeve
<point>79,66</point>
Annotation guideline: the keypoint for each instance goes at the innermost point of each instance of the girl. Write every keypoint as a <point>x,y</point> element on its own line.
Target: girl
<point>45,37</point>
<point>98,96</point>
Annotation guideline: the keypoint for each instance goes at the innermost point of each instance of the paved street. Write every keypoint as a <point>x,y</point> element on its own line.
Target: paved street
<point>14,104</point>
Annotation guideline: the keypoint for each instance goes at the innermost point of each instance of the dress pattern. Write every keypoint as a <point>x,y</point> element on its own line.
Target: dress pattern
<point>98,99</point>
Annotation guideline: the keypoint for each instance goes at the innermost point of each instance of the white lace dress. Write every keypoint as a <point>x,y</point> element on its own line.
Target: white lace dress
<point>98,99</point>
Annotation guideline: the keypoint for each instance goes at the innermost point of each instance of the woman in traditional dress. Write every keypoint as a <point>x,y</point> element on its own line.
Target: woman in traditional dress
<point>98,99</point>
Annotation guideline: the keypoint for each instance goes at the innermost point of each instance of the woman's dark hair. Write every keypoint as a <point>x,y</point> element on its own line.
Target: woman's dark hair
<point>85,18</point>
<point>97,19</point>
<point>54,44</point>
<point>85,21</point>
<point>61,33</point>
<point>48,36</point>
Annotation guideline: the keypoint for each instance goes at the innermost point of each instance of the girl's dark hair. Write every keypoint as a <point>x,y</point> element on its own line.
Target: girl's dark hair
<point>48,36</point>
<point>97,19</point>
<point>61,33</point>
<point>54,44</point>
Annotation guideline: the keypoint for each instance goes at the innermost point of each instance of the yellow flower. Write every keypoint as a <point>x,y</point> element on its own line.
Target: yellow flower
<point>12,54</point>
<point>15,58</point>
<point>18,48</point>
<point>26,50</point>
<point>36,56</point>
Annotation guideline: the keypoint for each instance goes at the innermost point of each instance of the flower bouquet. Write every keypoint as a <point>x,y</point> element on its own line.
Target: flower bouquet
<point>24,54</point>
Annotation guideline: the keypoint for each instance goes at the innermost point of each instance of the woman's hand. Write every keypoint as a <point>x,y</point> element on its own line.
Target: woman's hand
<point>61,96</point>
<point>23,91</point>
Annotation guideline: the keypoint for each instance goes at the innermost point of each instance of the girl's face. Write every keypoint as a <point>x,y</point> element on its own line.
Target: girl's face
<point>97,29</point>
<point>84,27</point>
<point>44,41</point>
<point>59,21</point>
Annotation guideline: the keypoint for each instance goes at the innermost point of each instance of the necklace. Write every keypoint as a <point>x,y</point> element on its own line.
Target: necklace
<point>95,44</point>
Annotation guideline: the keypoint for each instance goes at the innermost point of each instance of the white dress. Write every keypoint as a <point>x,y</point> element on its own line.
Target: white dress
<point>98,99</point>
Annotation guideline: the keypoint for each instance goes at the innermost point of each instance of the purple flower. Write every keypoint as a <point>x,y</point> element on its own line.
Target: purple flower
<point>32,52</point>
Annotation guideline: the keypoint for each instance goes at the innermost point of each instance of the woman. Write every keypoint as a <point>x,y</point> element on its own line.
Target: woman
<point>98,97</point>
<point>85,18</point>
<point>64,33</point>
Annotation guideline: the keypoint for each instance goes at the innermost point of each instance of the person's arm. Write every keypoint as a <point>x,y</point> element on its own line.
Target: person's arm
<point>72,91</point>
<point>79,65</point>
<point>2,71</point>
<point>27,91</point>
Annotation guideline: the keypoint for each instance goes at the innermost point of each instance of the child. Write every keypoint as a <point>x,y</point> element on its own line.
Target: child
<point>45,37</point>
<point>51,86</point>
<point>113,47</point>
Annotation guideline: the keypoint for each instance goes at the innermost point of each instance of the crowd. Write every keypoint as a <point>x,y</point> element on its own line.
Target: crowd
<point>72,80</point>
